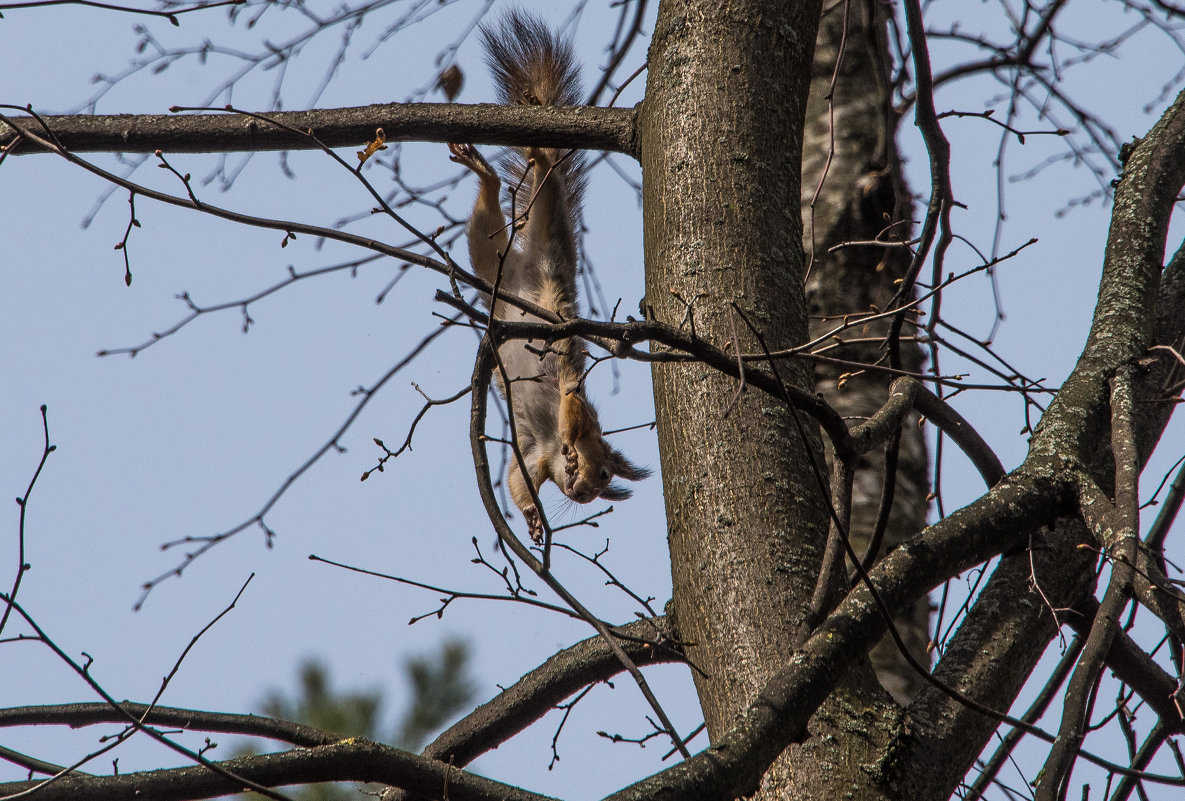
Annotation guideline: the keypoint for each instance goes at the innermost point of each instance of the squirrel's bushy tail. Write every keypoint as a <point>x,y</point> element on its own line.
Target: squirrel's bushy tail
<point>534,66</point>
<point>531,65</point>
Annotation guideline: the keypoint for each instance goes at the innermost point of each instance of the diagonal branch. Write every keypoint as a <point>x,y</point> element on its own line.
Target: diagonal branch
<point>537,693</point>
<point>734,765</point>
<point>990,657</point>
<point>1154,172</point>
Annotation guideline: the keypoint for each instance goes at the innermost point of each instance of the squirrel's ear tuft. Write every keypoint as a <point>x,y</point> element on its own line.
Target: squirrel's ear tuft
<point>616,492</point>
<point>622,467</point>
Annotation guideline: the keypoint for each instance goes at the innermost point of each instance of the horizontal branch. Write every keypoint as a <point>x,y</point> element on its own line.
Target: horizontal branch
<point>484,729</point>
<point>350,760</point>
<point>609,334</point>
<point>36,134</point>
<point>584,127</point>
<point>89,714</point>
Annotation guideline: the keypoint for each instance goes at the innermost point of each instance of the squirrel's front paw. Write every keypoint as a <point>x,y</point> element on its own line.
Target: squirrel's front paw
<point>462,154</point>
<point>468,156</point>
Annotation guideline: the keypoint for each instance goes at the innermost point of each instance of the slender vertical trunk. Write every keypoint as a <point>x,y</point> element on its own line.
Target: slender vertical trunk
<point>858,195</point>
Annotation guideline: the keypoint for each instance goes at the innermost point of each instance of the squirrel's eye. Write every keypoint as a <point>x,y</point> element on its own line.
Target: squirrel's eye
<point>604,474</point>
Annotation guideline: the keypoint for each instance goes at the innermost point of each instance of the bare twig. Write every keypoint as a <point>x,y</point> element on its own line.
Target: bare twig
<point>170,15</point>
<point>22,566</point>
<point>450,594</point>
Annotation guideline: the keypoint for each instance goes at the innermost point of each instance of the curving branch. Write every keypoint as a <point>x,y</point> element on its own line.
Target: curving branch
<point>953,424</point>
<point>1121,331</point>
<point>482,374</point>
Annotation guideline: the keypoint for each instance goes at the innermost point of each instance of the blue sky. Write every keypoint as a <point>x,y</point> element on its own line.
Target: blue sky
<point>192,436</point>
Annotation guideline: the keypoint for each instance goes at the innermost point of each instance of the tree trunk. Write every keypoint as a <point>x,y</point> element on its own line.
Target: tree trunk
<point>721,149</point>
<point>721,159</point>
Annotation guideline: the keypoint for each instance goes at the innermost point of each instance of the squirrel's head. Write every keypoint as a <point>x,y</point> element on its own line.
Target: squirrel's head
<point>596,466</point>
<point>591,464</point>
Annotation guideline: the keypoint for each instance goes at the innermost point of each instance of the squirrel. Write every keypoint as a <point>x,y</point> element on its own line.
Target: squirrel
<point>558,432</point>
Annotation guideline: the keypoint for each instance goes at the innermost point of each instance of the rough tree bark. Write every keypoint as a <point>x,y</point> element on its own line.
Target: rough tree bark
<point>721,159</point>
<point>720,143</point>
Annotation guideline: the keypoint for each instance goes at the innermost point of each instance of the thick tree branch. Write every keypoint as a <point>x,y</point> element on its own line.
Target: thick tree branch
<point>778,716</point>
<point>1036,710</point>
<point>1158,386</point>
<point>1077,424</point>
<point>1120,333</point>
<point>537,693</point>
<point>1154,172</point>
<point>582,127</point>
<point>647,642</point>
<point>990,658</point>
<point>445,266</point>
